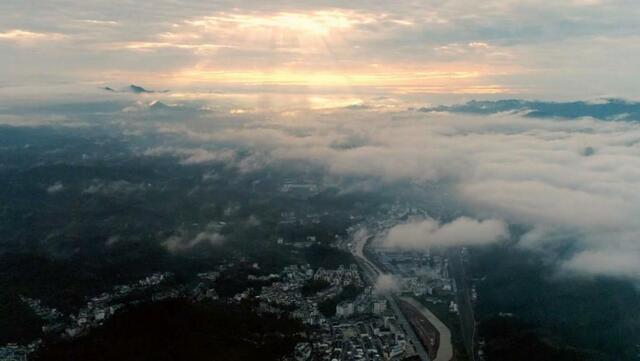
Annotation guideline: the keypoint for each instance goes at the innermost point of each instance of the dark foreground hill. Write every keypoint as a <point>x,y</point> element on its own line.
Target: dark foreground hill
<point>181,330</point>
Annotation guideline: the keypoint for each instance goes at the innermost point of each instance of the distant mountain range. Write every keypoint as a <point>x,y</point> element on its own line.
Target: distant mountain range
<point>604,109</point>
<point>135,89</point>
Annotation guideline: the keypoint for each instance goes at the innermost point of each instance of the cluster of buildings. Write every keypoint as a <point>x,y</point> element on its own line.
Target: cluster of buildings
<point>366,337</point>
<point>293,218</point>
<point>340,277</point>
<point>363,329</point>
<point>48,314</point>
<point>422,273</point>
<point>98,309</point>
<point>14,352</point>
<point>300,189</point>
<point>287,293</point>
<point>365,303</point>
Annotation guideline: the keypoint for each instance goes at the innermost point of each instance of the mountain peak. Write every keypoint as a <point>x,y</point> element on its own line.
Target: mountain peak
<point>138,89</point>
<point>157,105</point>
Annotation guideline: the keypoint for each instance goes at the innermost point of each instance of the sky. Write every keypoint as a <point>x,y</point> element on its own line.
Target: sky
<point>367,90</point>
<point>529,48</point>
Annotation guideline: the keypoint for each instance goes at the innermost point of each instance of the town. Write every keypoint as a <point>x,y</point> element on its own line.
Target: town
<point>347,312</point>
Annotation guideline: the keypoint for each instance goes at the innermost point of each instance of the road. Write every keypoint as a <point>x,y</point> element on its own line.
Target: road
<point>371,273</point>
<point>371,270</point>
<point>465,305</point>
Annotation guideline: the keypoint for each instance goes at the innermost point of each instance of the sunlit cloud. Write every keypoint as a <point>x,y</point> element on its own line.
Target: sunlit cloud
<point>100,22</point>
<point>317,48</point>
<point>155,45</point>
<point>320,78</point>
<point>315,22</point>
<point>28,37</point>
<point>436,81</point>
<point>479,45</point>
<point>306,32</point>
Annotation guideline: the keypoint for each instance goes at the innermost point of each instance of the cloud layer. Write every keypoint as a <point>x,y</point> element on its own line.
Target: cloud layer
<point>573,181</point>
<point>569,182</point>
<point>182,242</point>
<point>463,231</point>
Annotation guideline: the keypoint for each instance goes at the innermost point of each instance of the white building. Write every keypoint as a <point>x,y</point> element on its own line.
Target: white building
<point>379,306</point>
<point>344,309</point>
